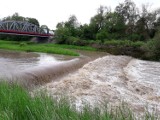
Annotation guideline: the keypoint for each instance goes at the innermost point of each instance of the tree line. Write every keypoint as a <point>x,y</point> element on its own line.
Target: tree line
<point>126,28</point>
<point>125,22</point>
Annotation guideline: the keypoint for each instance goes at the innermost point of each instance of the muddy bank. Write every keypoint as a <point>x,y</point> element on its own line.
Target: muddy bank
<point>136,52</point>
<point>113,79</point>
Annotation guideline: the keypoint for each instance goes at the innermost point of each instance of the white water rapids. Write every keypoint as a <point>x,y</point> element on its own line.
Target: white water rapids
<point>114,79</point>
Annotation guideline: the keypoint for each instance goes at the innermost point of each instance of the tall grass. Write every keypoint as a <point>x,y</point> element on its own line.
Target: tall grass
<point>17,104</point>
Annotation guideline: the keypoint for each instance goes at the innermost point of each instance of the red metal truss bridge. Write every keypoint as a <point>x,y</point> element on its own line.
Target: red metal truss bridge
<point>23,28</point>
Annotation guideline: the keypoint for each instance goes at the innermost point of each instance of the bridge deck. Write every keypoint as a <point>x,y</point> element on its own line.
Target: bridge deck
<point>15,32</point>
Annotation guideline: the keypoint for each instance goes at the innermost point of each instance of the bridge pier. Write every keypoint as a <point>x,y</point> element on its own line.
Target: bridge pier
<point>41,39</point>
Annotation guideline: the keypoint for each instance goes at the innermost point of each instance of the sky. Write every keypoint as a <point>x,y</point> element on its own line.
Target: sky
<point>50,12</point>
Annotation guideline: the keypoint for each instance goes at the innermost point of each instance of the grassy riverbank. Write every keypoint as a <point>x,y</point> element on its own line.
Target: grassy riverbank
<point>46,48</point>
<point>17,104</point>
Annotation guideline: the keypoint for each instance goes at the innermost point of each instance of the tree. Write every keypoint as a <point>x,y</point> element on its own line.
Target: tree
<point>147,21</point>
<point>114,24</point>
<point>15,17</point>
<point>129,13</point>
<point>72,24</point>
<point>33,21</point>
<point>86,32</point>
<point>66,29</point>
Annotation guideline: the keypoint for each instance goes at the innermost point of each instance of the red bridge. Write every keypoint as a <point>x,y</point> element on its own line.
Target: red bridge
<point>23,28</point>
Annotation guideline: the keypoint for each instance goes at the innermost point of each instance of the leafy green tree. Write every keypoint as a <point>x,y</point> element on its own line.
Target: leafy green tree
<point>67,29</point>
<point>33,21</point>
<point>86,32</point>
<point>146,24</point>
<point>15,17</point>
<point>129,13</point>
<point>62,34</point>
<point>97,22</point>
<point>114,24</point>
<point>72,25</point>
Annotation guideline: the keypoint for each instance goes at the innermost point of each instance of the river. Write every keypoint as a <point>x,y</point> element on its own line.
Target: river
<point>13,62</point>
<point>40,68</point>
<point>111,78</point>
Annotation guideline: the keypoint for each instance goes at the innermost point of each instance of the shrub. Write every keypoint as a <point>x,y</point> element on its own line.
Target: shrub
<point>134,37</point>
<point>152,48</point>
<point>76,41</point>
<point>71,40</point>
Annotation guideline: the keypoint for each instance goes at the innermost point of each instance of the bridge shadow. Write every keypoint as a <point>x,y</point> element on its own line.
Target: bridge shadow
<point>41,39</point>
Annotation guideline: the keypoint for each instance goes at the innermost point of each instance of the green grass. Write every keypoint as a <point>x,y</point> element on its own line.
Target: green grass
<point>23,46</point>
<point>46,47</point>
<point>17,104</point>
<point>72,47</point>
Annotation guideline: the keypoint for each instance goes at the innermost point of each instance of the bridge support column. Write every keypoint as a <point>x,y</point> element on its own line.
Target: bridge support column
<point>41,39</point>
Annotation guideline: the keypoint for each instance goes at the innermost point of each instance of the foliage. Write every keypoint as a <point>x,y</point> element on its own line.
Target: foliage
<point>125,22</point>
<point>152,48</point>
<point>17,17</point>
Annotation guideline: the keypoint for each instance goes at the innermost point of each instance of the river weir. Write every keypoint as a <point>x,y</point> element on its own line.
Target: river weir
<point>35,69</point>
<point>115,80</point>
<point>91,78</point>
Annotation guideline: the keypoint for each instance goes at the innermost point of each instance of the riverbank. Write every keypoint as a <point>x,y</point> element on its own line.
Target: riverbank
<point>46,48</point>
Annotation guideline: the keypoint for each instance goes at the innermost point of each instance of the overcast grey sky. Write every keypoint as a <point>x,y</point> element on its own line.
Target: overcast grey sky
<point>50,12</point>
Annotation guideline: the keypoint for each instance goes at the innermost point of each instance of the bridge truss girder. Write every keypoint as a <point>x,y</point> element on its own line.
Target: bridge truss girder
<point>22,26</point>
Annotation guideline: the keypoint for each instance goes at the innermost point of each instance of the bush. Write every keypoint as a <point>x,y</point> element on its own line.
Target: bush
<point>134,37</point>
<point>76,41</point>
<point>102,35</point>
<point>152,48</point>
<point>71,40</point>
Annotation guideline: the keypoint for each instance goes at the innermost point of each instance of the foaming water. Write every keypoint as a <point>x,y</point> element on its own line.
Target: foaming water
<point>113,79</point>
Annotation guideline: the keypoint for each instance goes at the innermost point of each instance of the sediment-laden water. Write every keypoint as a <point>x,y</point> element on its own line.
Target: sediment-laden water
<point>114,79</point>
<point>32,69</point>
<point>111,78</point>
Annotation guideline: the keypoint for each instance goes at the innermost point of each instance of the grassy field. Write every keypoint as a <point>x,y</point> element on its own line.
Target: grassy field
<point>17,104</point>
<point>46,48</point>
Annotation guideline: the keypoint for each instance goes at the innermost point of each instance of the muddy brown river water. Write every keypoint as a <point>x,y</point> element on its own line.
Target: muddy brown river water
<point>39,68</point>
<point>86,78</point>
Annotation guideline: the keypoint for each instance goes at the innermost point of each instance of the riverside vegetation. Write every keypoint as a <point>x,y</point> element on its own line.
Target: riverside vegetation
<point>46,48</point>
<point>126,30</point>
<point>17,104</point>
